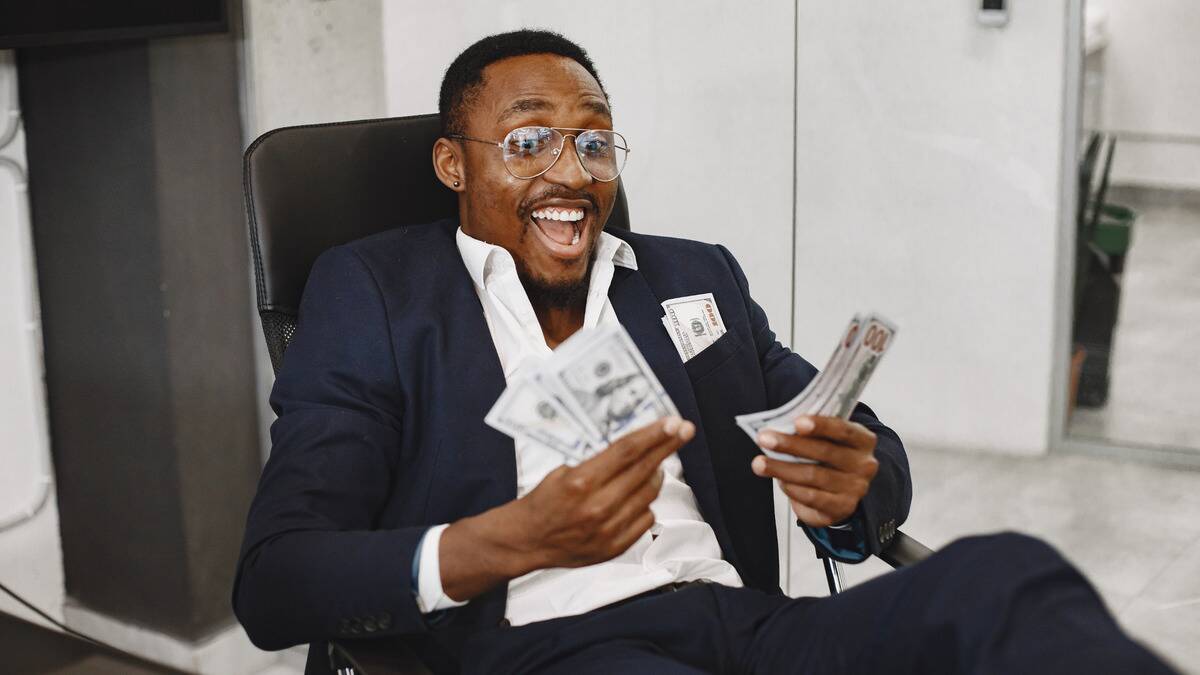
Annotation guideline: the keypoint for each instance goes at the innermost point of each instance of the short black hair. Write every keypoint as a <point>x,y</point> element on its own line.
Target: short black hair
<point>464,77</point>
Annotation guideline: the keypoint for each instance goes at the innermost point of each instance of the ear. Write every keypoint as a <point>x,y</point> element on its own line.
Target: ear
<point>449,165</point>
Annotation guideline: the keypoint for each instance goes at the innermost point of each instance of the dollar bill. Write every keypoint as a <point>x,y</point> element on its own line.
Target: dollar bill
<point>836,389</point>
<point>693,322</point>
<point>526,410</point>
<point>876,337</point>
<point>593,389</point>
<point>607,383</point>
<point>814,395</point>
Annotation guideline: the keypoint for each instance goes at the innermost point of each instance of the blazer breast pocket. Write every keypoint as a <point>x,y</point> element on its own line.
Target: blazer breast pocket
<point>713,357</point>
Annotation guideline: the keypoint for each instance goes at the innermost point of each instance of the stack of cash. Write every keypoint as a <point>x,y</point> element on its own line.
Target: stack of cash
<point>693,322</point>
<point>836,389</point>
<point>595,388</point>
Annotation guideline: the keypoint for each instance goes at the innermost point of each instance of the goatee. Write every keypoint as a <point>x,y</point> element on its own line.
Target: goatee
<point>546,294</point>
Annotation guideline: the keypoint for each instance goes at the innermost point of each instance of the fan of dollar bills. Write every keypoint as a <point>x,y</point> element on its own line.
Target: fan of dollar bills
<point>593,389</point>
<point>837,387</point>
<point>596,387</point>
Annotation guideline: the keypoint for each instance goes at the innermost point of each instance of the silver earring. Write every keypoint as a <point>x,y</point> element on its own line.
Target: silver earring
<point>456,183</point>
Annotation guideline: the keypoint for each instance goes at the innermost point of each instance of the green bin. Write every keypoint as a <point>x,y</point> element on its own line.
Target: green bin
<point>1114,231</point>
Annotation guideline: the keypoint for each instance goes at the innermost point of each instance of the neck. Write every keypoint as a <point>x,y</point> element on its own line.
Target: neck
<point>559,323</point>
<point>560,307</point>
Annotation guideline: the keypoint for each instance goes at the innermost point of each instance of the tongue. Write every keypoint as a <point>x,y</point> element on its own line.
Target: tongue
<point>560,231</point>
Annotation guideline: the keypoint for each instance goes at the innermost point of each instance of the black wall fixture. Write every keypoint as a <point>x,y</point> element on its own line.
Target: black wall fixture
<point>134,176</point>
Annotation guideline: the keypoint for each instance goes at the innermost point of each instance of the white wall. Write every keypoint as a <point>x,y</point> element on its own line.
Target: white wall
<point>927,185</point>
<point>1152,86</point>
<point>674,69</point>
<point>30,552</point>
<point>310,61</point>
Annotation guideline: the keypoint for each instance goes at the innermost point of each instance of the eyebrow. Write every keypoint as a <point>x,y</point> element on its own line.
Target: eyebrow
<point>524,105</point>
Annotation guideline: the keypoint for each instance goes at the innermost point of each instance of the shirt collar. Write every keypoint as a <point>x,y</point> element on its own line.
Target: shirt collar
<point>482,258</point>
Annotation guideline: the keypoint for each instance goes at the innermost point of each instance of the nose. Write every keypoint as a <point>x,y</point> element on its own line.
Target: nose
<point>567,169</point>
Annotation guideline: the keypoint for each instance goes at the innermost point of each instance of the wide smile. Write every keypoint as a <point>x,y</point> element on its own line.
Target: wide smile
<point>562,229</point>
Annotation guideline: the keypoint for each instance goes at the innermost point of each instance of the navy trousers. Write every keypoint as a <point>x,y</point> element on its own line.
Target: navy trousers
<point>997,604</point>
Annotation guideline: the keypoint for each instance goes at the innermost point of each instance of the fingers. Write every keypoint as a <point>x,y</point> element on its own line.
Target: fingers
<point>836,430</point>
<point>810,516</point>
<point>631,532</point>
<point>619,487</point>
<point>812,475</point>
<point>834,505</point>
<point>847,445</point>
<point>638,502</point>
<point>629,449</point>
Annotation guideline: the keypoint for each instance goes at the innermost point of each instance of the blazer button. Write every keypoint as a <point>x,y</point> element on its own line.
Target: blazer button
<point>343,626</point>
<point>385,621</point>
<point>369,624</point>
<point>356,627</point>
<point>504,623</point>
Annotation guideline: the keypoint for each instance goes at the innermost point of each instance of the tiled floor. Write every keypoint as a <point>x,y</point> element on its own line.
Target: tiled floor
<point>1154,390</point>
<point>1132,528</point>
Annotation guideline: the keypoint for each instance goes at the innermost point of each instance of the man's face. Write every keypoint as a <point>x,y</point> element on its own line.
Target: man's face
<point>536,90</point>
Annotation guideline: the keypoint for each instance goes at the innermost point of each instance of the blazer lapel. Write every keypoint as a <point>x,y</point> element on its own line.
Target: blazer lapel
<point>475,468</point>
<point>478,460</point>
<point>639,310</point>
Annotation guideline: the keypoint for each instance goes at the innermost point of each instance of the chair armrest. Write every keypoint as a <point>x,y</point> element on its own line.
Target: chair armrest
<point>904,551</point>
<point>375,657</point>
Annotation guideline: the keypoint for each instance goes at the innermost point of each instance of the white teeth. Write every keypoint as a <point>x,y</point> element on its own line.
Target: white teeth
<point>569,215</point>
<point>575,239</point>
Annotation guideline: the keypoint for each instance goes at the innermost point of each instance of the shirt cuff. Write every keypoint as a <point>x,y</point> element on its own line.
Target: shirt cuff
<point>427,574</point>
<point>843,542</point>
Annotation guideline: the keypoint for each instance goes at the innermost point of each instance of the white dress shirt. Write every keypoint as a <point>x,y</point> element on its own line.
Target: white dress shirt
<point>680,546</point>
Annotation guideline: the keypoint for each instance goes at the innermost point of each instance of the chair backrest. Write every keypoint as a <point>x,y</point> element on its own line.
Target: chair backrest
<point>1110,150</point>
<point>1086,213</point>
<point>1087,173</point>
<point>310,188</point>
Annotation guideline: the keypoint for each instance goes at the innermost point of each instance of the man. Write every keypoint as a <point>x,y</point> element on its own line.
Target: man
<point>389,509</point>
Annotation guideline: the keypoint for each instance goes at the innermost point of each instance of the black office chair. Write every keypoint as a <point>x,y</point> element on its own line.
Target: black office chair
<point>1097,293</point>
<point>310,188</point>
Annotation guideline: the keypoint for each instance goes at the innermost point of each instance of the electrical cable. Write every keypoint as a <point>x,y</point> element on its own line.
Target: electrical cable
<point>67,629</point>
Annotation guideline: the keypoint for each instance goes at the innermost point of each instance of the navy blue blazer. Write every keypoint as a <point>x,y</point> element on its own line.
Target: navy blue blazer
<point>381,399</point>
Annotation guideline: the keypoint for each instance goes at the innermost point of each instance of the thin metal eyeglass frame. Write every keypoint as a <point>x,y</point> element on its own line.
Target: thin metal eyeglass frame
<point>558,150</point>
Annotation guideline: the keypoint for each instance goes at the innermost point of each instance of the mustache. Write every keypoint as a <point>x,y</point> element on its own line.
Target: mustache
<point>556,192</point>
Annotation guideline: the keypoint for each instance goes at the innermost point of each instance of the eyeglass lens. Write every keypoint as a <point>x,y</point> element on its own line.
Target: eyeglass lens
<point>530,151</point>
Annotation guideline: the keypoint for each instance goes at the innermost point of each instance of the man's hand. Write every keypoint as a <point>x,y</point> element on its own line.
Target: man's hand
<point>576,516</point>
<point>826,493</point>
<point>593,512</point>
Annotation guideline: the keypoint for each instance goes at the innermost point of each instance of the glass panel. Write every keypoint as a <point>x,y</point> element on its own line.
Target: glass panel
<point>1135,369</point>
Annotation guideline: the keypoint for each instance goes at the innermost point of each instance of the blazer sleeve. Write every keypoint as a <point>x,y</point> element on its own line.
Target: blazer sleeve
<point>887,501</point>
<point>312,567</point>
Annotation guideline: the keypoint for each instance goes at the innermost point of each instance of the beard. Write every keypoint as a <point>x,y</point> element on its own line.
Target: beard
<point>551,294</point>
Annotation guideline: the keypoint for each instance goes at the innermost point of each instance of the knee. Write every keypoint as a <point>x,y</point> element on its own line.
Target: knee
<point>1010,547</point>
<point>1005,561</point>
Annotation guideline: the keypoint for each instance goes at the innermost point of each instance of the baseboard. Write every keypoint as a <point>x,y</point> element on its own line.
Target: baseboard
<point>1129,194</point>
<point>227,651</point>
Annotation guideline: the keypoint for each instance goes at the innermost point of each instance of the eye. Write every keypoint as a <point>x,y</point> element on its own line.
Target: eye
<point>527,141</point>
<point>595,146</point>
